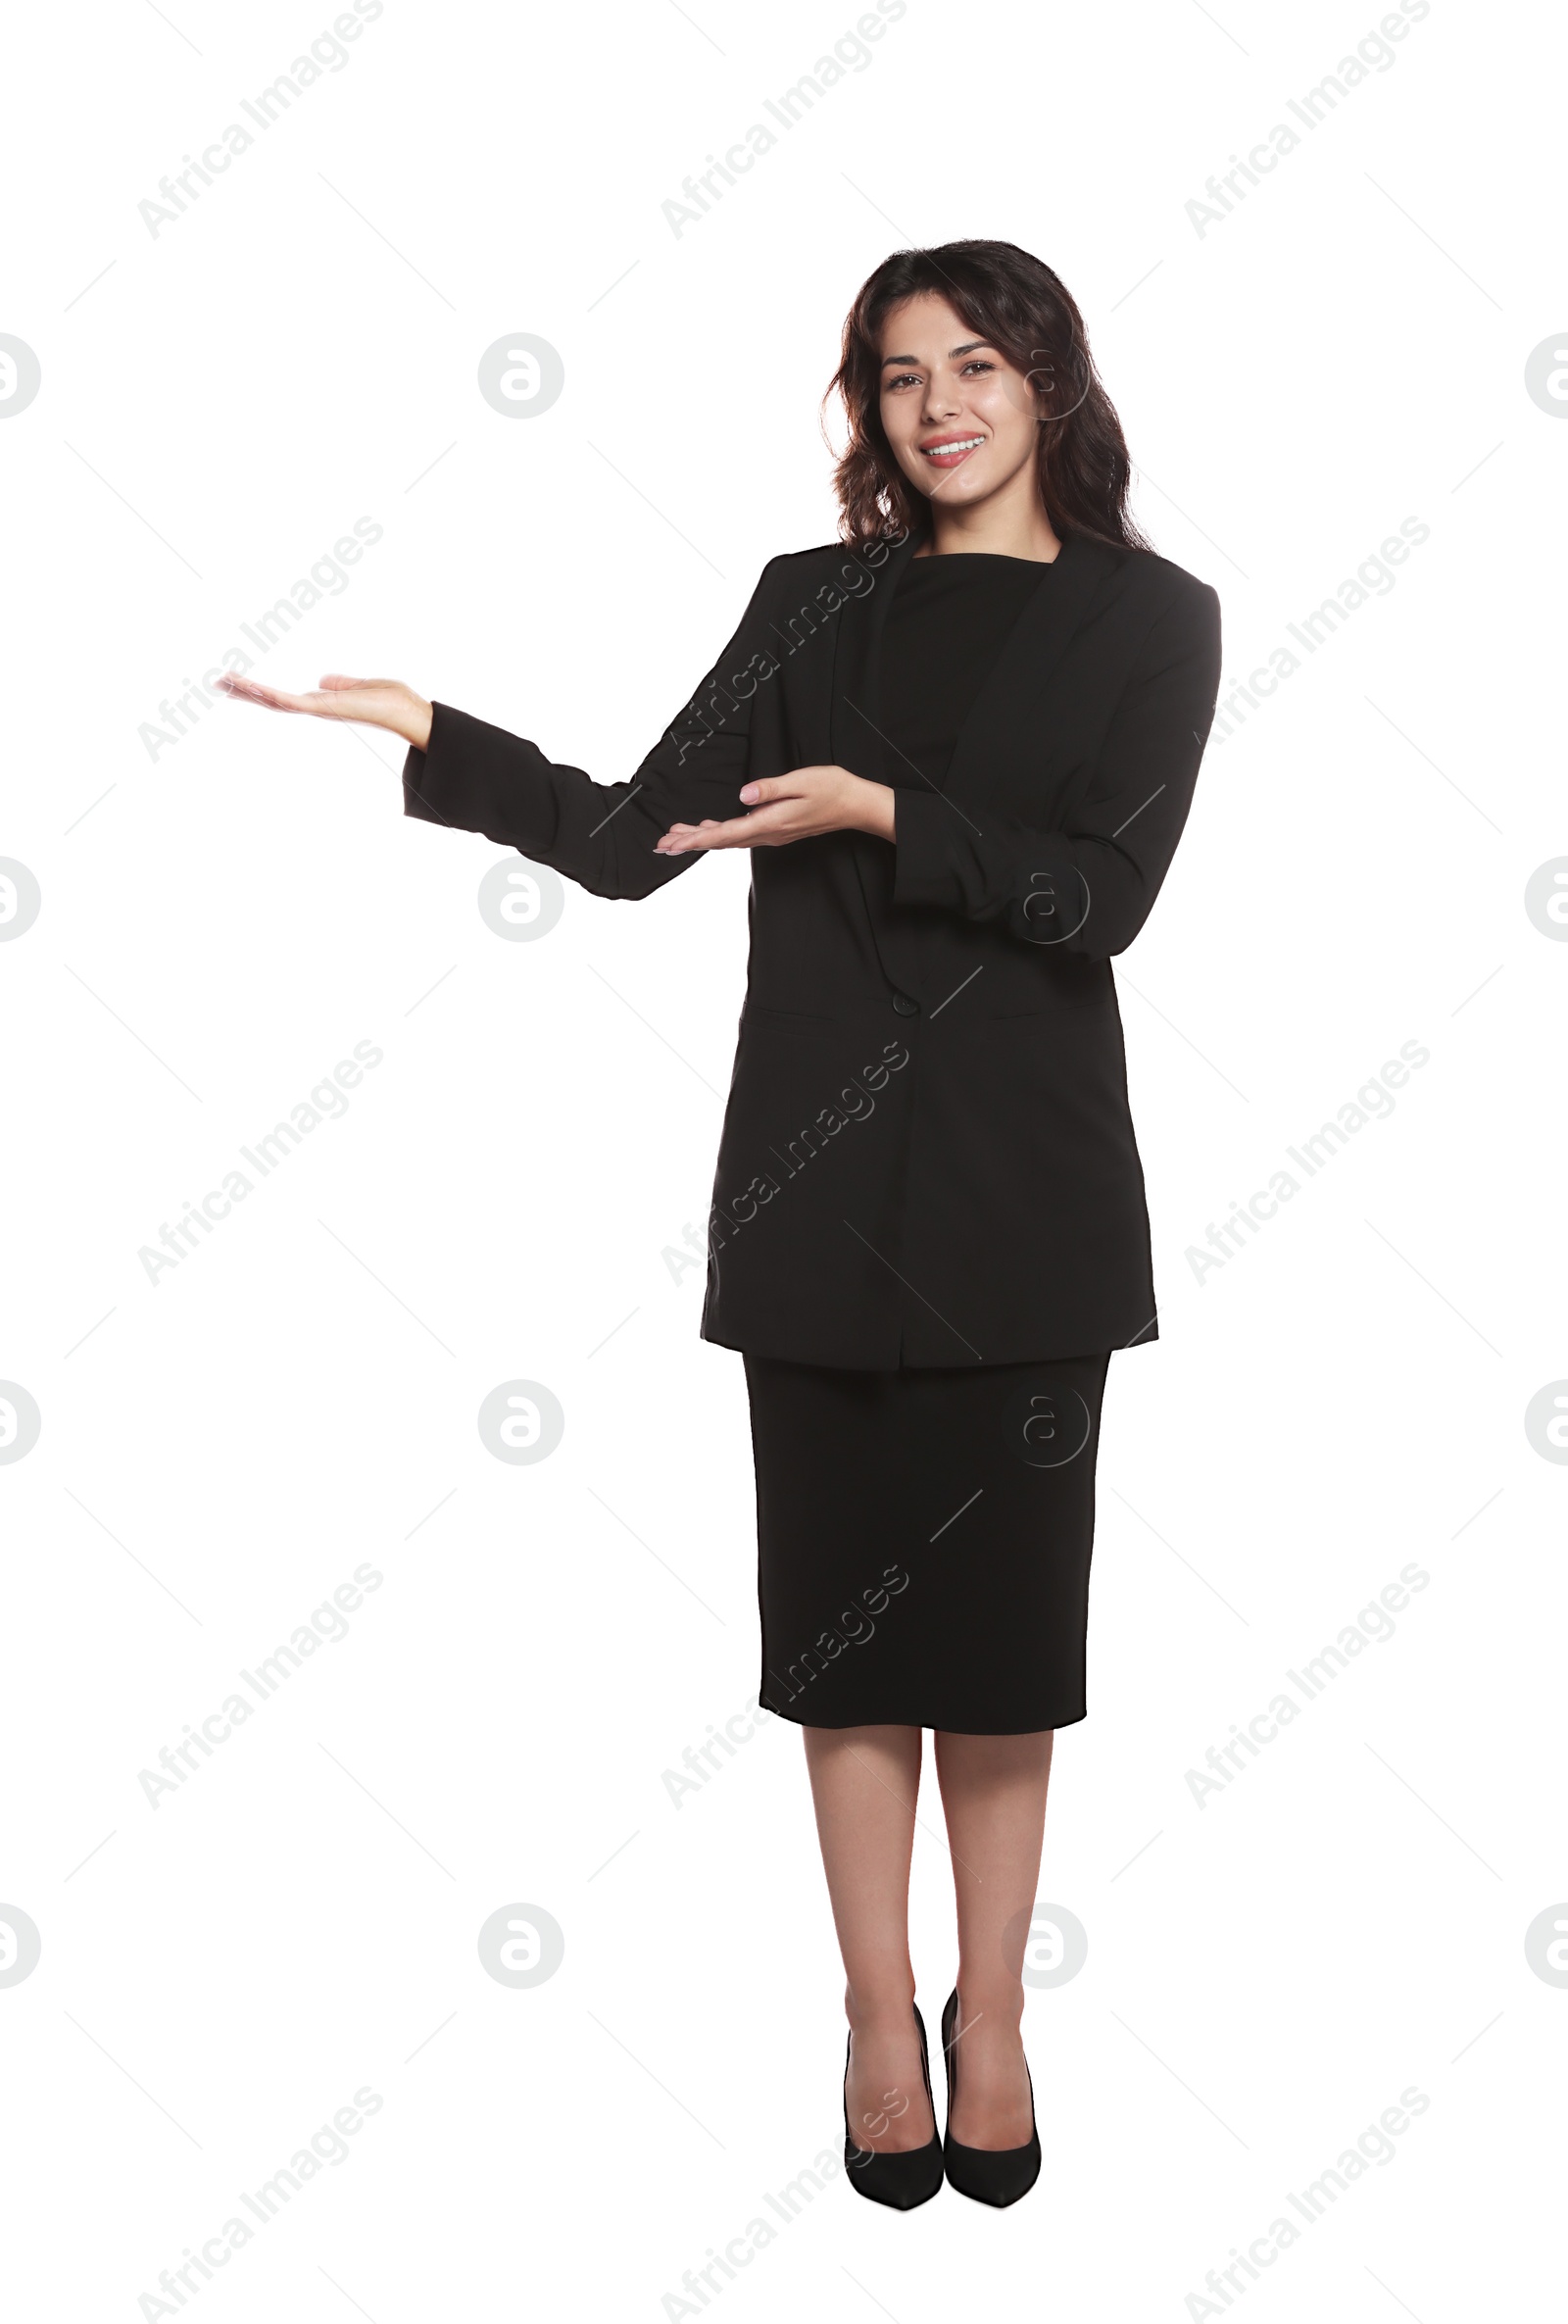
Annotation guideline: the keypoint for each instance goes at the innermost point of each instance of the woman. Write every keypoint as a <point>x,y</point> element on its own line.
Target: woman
<point>962,741</point>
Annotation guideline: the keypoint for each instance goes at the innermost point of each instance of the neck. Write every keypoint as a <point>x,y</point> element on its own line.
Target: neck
<point>1007,524</point>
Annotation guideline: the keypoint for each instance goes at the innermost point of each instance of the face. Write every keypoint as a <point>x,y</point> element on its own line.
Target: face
<point>960,417</point>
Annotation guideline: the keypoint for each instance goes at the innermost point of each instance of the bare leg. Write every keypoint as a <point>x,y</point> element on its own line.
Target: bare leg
<point>994,1795</point>
<point>864,1783</point>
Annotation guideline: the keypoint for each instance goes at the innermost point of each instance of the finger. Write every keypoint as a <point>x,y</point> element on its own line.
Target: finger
<point>770,789</point>
<point>682,843</point>
<point>311,706</point>
<point>679,832</point>
<point>335,679</point>
<point>747,830</point>
<point>249,690</point>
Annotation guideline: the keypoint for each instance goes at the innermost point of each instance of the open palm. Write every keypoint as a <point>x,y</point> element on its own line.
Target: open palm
<point>367,702</point>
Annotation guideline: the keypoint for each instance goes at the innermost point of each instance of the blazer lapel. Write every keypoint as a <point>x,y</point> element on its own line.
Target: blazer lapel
<point>856,722</point>
<point>857,739</point>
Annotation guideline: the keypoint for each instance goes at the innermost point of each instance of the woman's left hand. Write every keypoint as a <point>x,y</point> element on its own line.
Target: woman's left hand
<point>785,807</point>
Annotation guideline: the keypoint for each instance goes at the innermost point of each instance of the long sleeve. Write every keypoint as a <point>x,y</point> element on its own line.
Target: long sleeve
<point>477,777</point>
<point>1088,888</point>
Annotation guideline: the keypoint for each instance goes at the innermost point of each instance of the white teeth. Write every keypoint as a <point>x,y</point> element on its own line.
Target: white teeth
<point>944,451</point>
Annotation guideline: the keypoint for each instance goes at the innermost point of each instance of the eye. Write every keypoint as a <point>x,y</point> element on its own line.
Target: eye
<point>979,363</point>
<point>903,378</point>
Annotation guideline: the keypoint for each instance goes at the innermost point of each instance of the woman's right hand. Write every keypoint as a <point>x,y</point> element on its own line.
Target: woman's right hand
<point>367,702</point>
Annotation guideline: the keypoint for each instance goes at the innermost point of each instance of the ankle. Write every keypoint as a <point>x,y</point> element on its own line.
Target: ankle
<point>999,2009</point>
<point>883,2008</point>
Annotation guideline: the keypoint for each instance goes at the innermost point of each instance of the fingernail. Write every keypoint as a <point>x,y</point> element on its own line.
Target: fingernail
<point>748,792</point>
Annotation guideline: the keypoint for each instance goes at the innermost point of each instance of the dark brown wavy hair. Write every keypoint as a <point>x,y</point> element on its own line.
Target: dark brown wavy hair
<point>1018,306</point>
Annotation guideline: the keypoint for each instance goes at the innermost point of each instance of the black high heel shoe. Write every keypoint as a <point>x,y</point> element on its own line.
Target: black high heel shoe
<point>995,2175</point>
<point>899,2180</point>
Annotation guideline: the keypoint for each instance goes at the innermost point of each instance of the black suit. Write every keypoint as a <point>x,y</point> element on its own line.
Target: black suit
<point>927,1157</point>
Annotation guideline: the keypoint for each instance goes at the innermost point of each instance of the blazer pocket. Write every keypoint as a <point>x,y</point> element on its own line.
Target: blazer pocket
<point>1057,1004</point>
<point>1065,992</point>
<point>787,1020</point>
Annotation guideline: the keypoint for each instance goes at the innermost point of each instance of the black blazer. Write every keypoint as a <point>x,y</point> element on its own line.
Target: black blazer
<point>927,1156</point>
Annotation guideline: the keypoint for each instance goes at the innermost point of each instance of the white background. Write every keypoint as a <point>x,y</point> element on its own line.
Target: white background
<point>221,922</point>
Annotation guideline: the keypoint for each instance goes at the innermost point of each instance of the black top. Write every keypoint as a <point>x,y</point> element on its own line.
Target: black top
<point>946,624</point>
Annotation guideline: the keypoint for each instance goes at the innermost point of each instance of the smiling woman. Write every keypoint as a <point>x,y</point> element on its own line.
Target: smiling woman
<point>962,755</point>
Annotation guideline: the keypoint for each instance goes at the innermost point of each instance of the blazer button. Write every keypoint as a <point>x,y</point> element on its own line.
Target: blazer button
<point>904,1006</point>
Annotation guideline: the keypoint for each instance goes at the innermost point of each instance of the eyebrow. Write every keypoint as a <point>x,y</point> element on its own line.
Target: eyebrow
<point>967,348</point>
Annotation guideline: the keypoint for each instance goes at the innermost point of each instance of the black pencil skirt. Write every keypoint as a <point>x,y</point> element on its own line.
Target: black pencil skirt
<point>923,1542</point>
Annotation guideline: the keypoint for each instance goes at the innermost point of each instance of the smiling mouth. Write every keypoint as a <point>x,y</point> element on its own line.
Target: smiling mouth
<point>950,450</point>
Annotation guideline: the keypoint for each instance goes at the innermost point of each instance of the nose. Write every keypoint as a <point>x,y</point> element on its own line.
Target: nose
<point>941,397</point>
